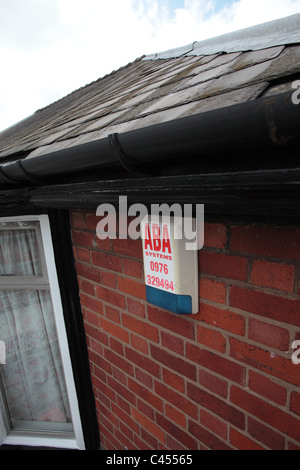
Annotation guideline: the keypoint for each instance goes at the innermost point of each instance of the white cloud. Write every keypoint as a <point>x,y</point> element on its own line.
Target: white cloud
<point>48,48</point>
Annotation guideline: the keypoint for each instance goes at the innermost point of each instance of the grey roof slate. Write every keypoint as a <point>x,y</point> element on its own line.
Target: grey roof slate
<point>200,77</point>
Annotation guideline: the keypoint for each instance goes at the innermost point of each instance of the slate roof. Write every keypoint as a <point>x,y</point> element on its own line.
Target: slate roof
<point>200,77</point>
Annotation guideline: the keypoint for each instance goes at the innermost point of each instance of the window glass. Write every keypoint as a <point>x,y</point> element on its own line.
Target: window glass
<point>19,252</point>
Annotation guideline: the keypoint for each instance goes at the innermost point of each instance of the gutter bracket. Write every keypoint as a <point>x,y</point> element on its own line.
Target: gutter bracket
<point>6,178</point>
<point>28,176</point>
<point>131,165</point>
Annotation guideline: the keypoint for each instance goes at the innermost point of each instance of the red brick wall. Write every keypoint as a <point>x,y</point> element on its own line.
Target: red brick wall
<point>221,379</point>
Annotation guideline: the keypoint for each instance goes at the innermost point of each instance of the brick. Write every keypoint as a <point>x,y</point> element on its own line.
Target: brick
<point>266,241</point>
<point>210,289</point>
<point>217,406</point>
<point>121,390</point>
<point>92,331</point>
<point>110,296</point>
<point>270,335</point>
<point>99,373</point>
<point>222,318</point>
<point>174,381</point>
<point>213,383</point>
<point>110,441</point>
<point>116,346</point>
<point>132,268</point>
<point>88,272</point>
<point>176,399</point>
<point>214,235</point>
<point>185,439</point>
<point>210,338</point>
<point>97,347</point>
<point>142,445</point>
<point>139,343</point>
<point>267,388</point>
<point>267,413</point>
<point>92,221</point>
<point>126,431</point>
<point>107,261</point>
<point>216,363</point>
<point>172,444</point>
<point>119,375</point>
<point>273,275</point>
<point>83,238</point>
<point>175,415</point>
<point>78,220</point>
<point>103,245</point>
<point>131,287</point>
<point>123,416</point>
<point>146,409</point>
<point>265,361</point>
<point>266,435</point>
<point>292,446</point>
<point>125,442</point>
<point>142,361</point>
<point>207,438</point>
<point>112,314</point>
<point>83,254</point>
<point>267,305</point>
<point>174,362</point>
<point>108,392</point>
<point>140,327</point>
<point>153,442</point>
<point>219,264</point>
<point>118,361</point>
<point>242,442</point>
<point>91,317</point>
<point>213,423</point>
<point>146,394</point>
<point>109,279</point>
<point>172,343</point>
<point>87,287</point>
<point>136,307</point>
<point>91,303</point>
<point>149,425</point>
<point>128,247</point>
<point>295,402</point>
<point>143,377</point>
<point>174,323</point>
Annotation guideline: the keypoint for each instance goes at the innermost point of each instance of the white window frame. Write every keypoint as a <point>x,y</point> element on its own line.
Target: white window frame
<point>76,442</point>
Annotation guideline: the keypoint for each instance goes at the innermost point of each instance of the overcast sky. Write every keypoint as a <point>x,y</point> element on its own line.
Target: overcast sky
<point>49,48</point>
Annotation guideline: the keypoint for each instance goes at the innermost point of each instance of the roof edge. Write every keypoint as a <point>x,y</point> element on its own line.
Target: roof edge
<point>278,32</point>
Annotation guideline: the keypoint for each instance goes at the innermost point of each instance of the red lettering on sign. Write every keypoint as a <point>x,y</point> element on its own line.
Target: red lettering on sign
<point>148,242</point>
<point>154,242</point>
<point>156,237</point>
<point>166,245</point>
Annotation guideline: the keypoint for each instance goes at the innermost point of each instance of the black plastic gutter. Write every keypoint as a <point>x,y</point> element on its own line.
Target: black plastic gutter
<point>268,122</point>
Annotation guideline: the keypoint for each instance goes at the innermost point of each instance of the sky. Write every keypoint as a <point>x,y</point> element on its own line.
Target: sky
<point>49,48</point>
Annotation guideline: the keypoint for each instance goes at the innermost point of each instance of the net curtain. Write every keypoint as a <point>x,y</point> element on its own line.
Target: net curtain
<point>32,377</point>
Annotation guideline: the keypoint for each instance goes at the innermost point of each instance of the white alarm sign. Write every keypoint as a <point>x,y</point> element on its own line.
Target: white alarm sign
<point>171,271</point>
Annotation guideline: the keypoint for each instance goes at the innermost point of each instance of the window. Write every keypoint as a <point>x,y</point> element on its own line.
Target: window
<point>38,401</point>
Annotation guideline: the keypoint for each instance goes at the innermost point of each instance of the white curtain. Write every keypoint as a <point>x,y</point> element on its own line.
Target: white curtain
<point>32,376</point>
<point>19,253</point>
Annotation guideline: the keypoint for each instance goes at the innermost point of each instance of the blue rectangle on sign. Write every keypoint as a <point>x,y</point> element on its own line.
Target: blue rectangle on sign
<point>181,304</point>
